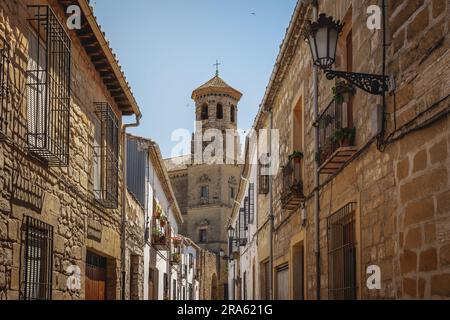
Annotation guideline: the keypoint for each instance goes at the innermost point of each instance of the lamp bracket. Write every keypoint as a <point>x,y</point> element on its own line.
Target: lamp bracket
<point>371,83</point>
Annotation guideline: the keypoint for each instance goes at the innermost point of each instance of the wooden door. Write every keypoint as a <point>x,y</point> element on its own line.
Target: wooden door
<point>95,277</point>
<point>282,283</point>
<point>298,272</point>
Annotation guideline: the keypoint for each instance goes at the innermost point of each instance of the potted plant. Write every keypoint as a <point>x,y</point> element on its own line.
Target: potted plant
<point>176,241</point>
<point>162,221</point>
<point>158,235</point>
<point>158,211</point>
<point>342,92</point>
<point>176,258</point>
<point>344,136</point>
<point>296,155</point>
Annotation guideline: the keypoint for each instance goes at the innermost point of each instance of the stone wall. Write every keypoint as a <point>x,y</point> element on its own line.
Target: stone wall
<point>61,197</point>
<point>208,269</point>
<point>401,192</point>
<point>134,252</point>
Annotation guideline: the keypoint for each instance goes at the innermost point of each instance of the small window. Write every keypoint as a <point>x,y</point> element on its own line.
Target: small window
<point>263,178</point>
<point>38,260</point>
<point>106,156</point>
<point>48,88</point>
<point>203,236</point>
<point>219,111</point>
<point>204,113</point>
<point>233,114</point>
<point>232,193</point>
<point>204,192</point>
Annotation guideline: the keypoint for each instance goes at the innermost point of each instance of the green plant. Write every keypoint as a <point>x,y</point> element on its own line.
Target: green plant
<point>344,136</point>
<point>156,232</point>
<point>296,155</point>
<point>340,89</point>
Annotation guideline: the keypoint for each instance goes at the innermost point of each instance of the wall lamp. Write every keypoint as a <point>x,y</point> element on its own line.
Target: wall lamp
<point>322,37</point>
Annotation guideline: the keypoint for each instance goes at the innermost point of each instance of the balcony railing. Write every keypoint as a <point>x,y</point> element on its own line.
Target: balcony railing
<point>161,234</point>
<point>292,194</point>
<point>336,139</point>
<point>175,258</point>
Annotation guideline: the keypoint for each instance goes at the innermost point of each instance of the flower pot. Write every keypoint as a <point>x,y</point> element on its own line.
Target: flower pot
<point>345,143</point>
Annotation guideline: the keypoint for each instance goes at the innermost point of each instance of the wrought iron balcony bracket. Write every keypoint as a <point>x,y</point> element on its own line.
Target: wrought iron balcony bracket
<point>371,83</point>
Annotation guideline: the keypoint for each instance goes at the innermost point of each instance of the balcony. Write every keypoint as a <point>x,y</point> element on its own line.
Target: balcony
<point>292,195</point>
<point>160,232</point>
<point>336,139</point>
<point>175,258</point>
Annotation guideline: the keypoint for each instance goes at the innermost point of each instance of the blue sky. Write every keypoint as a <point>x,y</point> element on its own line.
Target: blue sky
<point>168,48</point>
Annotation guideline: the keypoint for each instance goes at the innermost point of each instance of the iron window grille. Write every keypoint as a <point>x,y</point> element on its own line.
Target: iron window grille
<point>106,156</point>
<point>48,87</point>
<point>37,267</point>
<point>264,177</point>
<point>5,63</point>
<point>247,212</point>
<point>342,254</point>
<point>251,197</point>
<point>242,231</point>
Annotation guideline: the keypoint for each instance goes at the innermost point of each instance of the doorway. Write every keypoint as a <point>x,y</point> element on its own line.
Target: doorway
<point>95,277</point>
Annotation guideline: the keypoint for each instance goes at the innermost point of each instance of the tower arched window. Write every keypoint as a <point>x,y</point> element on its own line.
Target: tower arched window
<point>233,114</point>
<point>204,114</point>
<point>219,111</point>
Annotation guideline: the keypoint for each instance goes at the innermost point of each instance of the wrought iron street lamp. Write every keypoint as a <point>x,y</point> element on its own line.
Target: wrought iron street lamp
<point>231,232</point>
<point>322,37</point>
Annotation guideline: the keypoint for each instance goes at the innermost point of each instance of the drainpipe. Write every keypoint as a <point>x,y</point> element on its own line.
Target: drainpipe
<point>271,216</point>
<point>316,169</point>
<point>124,199</point>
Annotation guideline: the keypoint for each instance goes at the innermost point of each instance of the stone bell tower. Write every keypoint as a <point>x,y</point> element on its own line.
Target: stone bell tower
<point>216,108</point>
<point>206,191</point>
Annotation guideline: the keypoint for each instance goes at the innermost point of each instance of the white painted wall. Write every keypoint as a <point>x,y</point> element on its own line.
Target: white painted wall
<point>249,253</point>
<point>162,263</point>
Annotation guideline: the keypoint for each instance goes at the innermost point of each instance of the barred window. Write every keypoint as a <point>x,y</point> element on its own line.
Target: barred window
<point>242,230</point>
<point>246,212</point>
<point>251,199</point>
<point>342,254</point>
<point>4,85</point>
<point>48,87</point>
<point>263,179</point>
<point>106,156</point>
<point>37,260</point>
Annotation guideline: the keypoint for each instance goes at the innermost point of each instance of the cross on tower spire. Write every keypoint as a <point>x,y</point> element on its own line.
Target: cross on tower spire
<point>217,64</point>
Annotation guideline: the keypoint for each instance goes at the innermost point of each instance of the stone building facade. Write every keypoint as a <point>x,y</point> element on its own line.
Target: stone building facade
<point>386,195</point>
<point>134,249</point>
<point>206,182</point>
<point>60,225</point>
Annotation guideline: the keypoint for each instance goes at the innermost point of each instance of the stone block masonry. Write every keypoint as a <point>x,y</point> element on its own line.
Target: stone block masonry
<point>60,197</point>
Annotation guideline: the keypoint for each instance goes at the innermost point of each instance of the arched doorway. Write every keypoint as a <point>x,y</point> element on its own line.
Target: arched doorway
<point>214,287</point>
